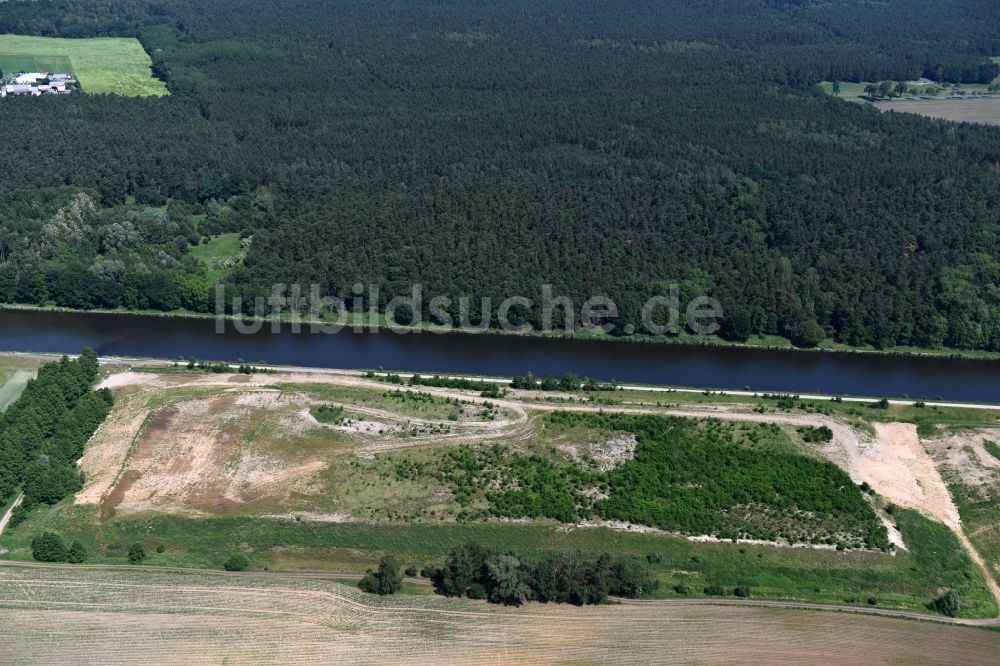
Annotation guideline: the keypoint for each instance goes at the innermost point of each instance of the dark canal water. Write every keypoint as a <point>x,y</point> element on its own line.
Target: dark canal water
<point>707,367</point>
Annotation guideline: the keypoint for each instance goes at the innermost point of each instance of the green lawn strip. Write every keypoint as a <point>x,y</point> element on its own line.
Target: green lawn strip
<point>930,421</point>
<point>12,383</point>
<point>906,580</point>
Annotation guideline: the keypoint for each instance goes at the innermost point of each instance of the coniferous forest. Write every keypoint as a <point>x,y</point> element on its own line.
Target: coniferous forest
<point>43,433</point>
<point>482,149</point>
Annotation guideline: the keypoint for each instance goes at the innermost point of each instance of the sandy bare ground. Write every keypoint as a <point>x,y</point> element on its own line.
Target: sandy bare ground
<point>899,468</point>
<point>188,457</point>
<point>193,456</point>
<point>963,456</point>
<point>89,616</point>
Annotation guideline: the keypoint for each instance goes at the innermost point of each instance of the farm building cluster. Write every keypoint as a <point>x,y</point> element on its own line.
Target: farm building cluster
<point>37,83</point>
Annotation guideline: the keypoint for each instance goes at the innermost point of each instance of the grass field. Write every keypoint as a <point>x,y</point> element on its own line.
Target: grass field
<point>14,63</point>
<point>217,253</point>
<point>854,91</point>
<point>117,65</point>
<point>65,615</point>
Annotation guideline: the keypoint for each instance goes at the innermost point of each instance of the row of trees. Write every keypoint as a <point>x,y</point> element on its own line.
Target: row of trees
<point>574,577</point>
<point>43,433</point>
<point>568,382</point>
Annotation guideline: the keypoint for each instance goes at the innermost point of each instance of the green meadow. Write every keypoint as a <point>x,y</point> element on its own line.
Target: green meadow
<point>215,252</point>
<point>116,65</point>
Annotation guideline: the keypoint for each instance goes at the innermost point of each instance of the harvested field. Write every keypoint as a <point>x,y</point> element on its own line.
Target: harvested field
<point>67,615</point>
<point>980,111</point>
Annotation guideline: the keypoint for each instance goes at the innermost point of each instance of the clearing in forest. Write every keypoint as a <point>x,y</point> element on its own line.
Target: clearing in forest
<point>116,65</point>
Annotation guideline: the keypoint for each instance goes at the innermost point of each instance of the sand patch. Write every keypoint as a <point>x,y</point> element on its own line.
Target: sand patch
<point>205,455</point>
<point>963,458</point>
<point>900,470</point>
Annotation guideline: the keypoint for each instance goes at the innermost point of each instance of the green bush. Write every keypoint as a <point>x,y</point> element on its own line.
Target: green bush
<point>386,580</point>
<point>136,553</point>
<point>815,435</point>
<point>49,547</point>
<point>77,553</point>
<point>949,604</point>
<point>18,516</point>
<point>328,413</point>
<point>236,562</point>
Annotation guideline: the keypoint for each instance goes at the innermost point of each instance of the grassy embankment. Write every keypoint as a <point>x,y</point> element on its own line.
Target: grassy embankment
<point>907,580</point>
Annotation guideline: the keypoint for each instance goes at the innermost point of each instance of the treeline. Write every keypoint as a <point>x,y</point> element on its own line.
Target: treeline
<point>568,382</point>
<point>221,367</point>
<point>608,149</point>
<point>43,433</point>
<point>573,577</point>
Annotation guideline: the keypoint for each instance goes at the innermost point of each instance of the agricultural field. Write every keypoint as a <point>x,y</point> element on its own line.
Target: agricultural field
<point>979,111</point>
<point>328,472</point>
<point>116,65</point>
<point>63,615</point>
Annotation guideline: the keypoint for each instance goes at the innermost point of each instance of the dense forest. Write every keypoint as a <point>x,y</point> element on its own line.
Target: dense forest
<point>483,149</point>
<point>43,433</point>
